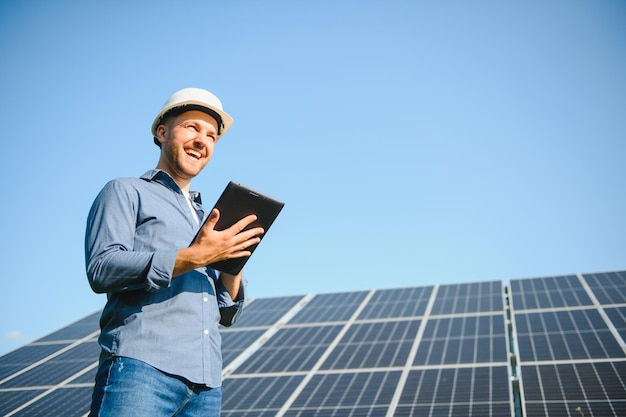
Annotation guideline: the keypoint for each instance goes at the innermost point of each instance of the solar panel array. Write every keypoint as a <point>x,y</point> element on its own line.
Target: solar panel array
<point>571,352</point>
<point>551,346</point>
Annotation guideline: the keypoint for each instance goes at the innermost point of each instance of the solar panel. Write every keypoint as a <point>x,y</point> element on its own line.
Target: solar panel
<point>609,287</point>
<point>549,346</point>
<point>78,330</point>
<point>470,339</point>
<point>346,394</point>
<point>374,345</point>
<point>469,298</point>
<point>549,292</point>
<point>235,343</point>
<point>11,400</point>
<point>291,349</point>
<point>266,311</point>
<point>326,308</point>
<point>257,396</point>
<point>597,389</point>
<point>22,358</point>
<point>617,316</point>
<point>459,391</point>
<point>571,350</point>
<point>60,402</point>
<point>573,334</point>
<point>399,302</point>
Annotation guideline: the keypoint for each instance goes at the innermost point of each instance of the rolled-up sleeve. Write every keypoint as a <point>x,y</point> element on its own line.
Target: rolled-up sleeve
<point>230,310</point>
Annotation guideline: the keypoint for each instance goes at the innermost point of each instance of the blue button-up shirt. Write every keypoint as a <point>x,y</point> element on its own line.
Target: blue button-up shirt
<point>134,231</point>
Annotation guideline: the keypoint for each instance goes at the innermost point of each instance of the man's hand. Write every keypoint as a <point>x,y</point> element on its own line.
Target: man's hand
<point>212,245</point>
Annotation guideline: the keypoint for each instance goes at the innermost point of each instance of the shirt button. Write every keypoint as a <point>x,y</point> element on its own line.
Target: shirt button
<point>205,299</point>
<point>206,331</point>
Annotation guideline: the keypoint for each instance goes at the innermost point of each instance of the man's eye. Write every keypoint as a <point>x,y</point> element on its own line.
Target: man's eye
<point>192,127</point>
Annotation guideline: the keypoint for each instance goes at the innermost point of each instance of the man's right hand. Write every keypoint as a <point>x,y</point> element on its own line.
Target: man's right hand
<point>213,245</point>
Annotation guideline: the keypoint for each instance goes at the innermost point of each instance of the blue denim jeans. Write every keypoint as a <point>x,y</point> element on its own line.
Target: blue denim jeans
<point>127,387</point>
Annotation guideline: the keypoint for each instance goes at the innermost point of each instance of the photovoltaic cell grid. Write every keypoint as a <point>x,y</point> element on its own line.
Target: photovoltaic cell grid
<point>617,316</point>
<point>462,391</point>
<point>260,315</point>
<point>609,287</point>
<point>570,344</point>
<point>52,376</point>
<point>399,302</point>
<point>380,352</point>
<point>468,339</point>
<point>475,297</point>
<point>545,347</point>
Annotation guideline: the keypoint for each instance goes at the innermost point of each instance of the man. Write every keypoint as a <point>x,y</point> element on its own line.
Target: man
<point>161,349</point>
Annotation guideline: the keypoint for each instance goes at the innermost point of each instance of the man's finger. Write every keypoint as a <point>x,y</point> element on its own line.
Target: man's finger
<point>214,216</point>
<point>243,223</point>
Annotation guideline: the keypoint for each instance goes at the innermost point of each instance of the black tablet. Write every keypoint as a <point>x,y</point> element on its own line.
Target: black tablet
<point>235,203</point>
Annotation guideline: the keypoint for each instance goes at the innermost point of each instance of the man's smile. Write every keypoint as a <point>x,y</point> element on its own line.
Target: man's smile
<point>193,153</point>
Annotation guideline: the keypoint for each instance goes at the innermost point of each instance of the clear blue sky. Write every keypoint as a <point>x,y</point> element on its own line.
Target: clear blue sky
<point>414,142</point>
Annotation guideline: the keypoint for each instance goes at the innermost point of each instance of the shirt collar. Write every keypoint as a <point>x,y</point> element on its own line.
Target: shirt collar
<point>163,178</point>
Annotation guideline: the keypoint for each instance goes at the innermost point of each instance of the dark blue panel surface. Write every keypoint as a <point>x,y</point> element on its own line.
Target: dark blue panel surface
<point>550,292</point>
<point>374,345</point>
<point>468,298</point>
<point>480,391</point>
<point>265,311</point>
<point>26,356</point>
<point>566,334</point>
<point>597,388</point>
<point>58,368</point>
<point>235,342</point>
<point>11,400</point>
<point>618,318</point>
<point>291,349</point>
<point>325,308</point>
<point>66,402</point>
<point>609,287</point>
<point>468,339</point>
<point>257,396</point>
<point>77,330</point>
<point>399,302</point>
<point>346,394</point>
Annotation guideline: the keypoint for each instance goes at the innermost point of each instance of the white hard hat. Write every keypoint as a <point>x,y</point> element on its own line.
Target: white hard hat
<point>195,99</point>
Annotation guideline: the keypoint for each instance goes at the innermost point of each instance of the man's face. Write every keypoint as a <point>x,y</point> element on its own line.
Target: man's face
<point>187,142</point>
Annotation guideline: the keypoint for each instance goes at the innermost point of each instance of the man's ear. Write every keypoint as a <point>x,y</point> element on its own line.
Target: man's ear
<point>160,133</point>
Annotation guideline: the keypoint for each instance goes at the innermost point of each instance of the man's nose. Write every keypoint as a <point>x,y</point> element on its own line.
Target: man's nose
<point>201,139</point>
